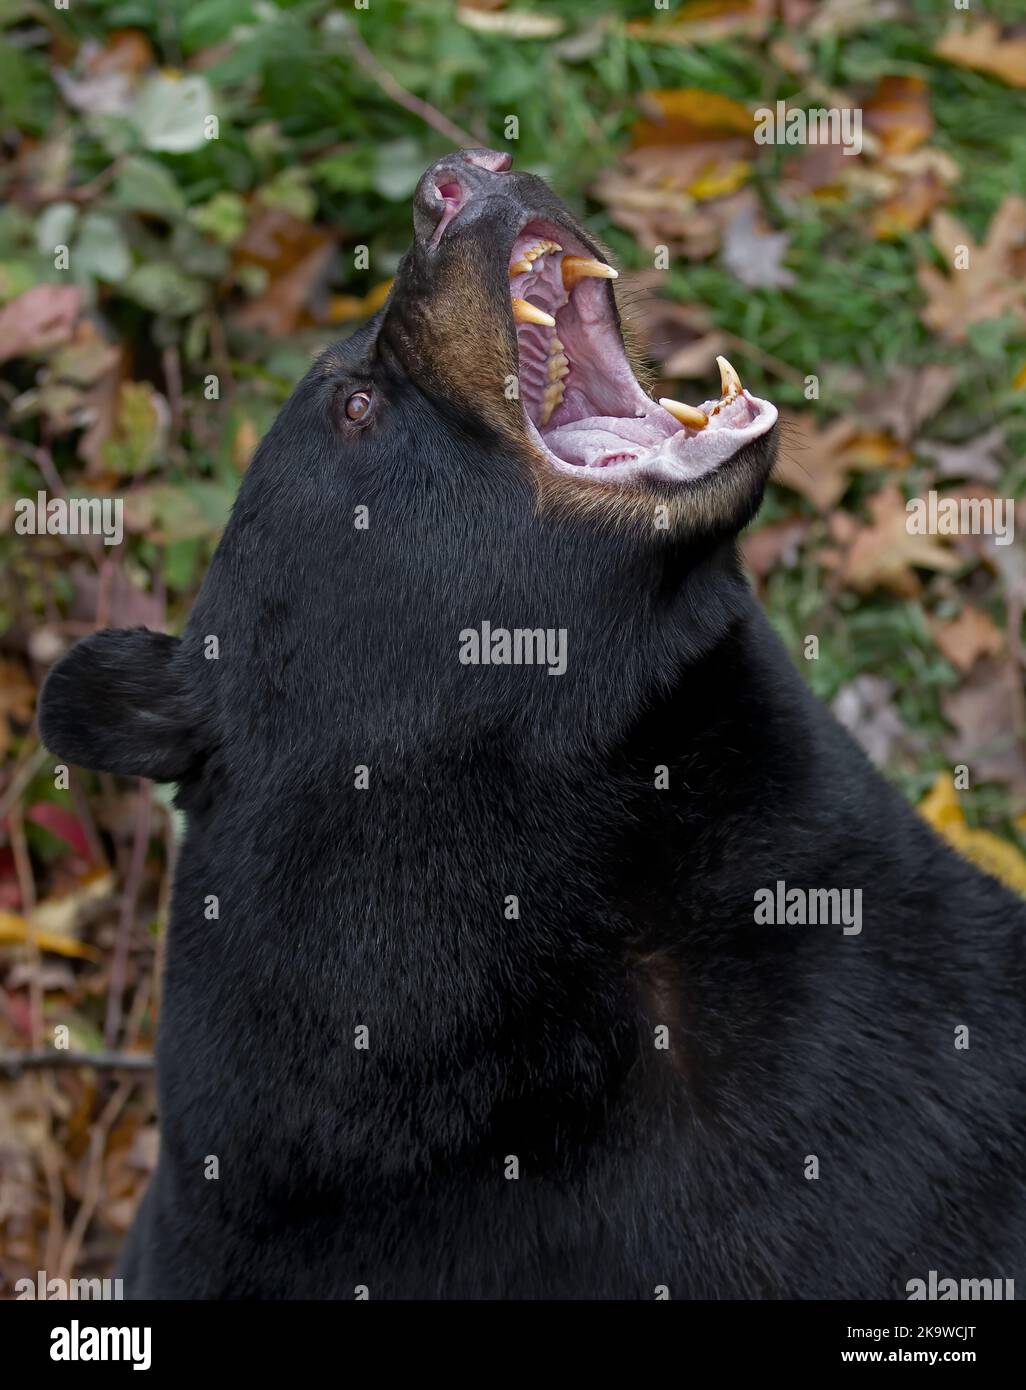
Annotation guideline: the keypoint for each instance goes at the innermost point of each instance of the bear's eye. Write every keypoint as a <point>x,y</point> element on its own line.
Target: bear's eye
<point>359,405</point>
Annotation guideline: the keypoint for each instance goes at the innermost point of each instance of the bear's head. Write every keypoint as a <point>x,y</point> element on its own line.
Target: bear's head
<point>468,526</point>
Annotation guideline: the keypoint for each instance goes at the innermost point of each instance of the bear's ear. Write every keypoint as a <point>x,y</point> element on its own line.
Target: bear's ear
<point>117,702</point>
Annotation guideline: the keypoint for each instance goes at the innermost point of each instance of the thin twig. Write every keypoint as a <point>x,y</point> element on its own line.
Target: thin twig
<point>14,1064</point>
<point>28,765</point>
<point>93,1184</point>
<point>398,93</point>
<point>27,892</point>
<point>42,1087</point>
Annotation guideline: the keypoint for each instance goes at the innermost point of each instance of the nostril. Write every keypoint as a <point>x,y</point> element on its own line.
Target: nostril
<point>495,161</point>
<point>451,192</point>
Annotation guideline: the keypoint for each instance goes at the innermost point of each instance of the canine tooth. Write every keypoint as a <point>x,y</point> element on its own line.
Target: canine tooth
<point>524,312</point>
<point>519,268</point>
<point>583,267</point>
<point>730,382</point>
<point>686,414</point>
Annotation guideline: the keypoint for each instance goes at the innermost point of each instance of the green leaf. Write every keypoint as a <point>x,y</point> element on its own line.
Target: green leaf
<point>163,288</point>
<point>101,250</point>
<point>55,227</point>
<point>143,185</point>
<point>291,192</point>
<point>399,166</point>
<point>223,217</point>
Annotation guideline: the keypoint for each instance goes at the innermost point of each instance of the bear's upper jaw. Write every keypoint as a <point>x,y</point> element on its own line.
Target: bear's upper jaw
<point>584,408</point>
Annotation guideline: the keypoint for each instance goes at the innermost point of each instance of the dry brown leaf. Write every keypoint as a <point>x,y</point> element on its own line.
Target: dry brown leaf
<point>649,196</point>
<point>775,545</point>
<point>689,116</point>
<point>817,462</point>
<point>706,21</point>
<point>866,707</point>
<point>17,701</point>
<point>909,208</point>
<point>988,712</point>
<point>39,318</point>
<point>963,640</point>
<point>991,284</point>
<point>911,396</point>
<point>883,554</point>
<point>898,113</point>
<point>976,459</point>
<point>293,255</point>
<point>985,48</point>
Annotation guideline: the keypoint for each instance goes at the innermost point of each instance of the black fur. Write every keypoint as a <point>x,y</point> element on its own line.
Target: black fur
<point>534,1038</point>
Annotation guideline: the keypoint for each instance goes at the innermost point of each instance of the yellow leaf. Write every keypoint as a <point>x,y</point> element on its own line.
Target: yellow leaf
<point>344,307</point>
<point>15,929</point>
<point>716,181</point>
<point>941,808</point>
<point>687,115</point>
<point>1019,380</point>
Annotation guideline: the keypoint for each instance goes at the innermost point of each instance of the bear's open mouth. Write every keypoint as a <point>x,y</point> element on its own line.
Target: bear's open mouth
<point>583,406</point>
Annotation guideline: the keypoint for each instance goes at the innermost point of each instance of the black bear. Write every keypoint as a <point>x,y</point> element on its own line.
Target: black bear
<point>562,944</point>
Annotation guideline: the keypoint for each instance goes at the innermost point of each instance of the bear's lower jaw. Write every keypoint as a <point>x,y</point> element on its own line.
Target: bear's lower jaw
<point>584,409</point>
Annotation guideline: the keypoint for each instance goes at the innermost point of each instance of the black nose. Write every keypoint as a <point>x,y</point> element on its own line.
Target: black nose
<point>450,184</point>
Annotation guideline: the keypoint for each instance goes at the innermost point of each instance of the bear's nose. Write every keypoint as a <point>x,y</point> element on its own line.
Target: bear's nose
<point>450,184</point>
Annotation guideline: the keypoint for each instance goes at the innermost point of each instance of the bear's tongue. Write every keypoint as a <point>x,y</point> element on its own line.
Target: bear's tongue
<point>581,398</point>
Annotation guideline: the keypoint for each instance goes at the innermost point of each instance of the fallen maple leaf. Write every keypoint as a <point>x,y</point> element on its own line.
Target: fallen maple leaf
<point>910,397</point>
<point>884,554</point>
<point>963,640</point>
<point>986,49</point>
<point>988,711</point>
<point>940,807</point>
<point>817,462</point>
<point>990,284</point>
<point>975,459</point>
<point>755,257</point>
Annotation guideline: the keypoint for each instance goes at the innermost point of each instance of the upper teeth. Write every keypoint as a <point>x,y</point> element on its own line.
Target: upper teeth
<point>527,258</point>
